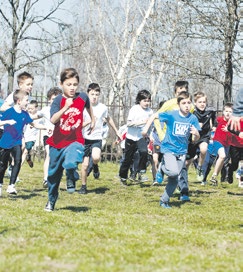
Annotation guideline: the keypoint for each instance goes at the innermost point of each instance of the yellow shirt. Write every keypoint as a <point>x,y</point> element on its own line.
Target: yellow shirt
<point>167,106</point>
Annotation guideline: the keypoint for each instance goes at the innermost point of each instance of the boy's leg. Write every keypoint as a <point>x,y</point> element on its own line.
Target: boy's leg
<point>218,165</point>
<point>4,158</point>
<point>16,152</point>
<point>234,162</point>
<point>171,166</point>
<point>96,155</point>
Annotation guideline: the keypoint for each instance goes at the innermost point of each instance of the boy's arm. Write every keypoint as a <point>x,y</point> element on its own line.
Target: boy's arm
<point>149,123</point>
<point>57,116</point>
<point>112,124</point>
<point>7,122</point>
<point>91,114</point>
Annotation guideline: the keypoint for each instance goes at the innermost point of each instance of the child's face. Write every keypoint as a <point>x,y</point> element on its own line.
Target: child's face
<point>185,106</point>
<point>70,87</point>
<point>23,102</point>
<point>52,98</point>
<point>145,103</point>
<point>93,97</point>
<point>32,109</point>
<point>227,113</point>
<point>201,103</point>
<point>26,85</point>
<point>179,90</point>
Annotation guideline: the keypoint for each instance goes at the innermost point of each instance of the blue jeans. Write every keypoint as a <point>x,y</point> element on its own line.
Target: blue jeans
<point>65,158</point>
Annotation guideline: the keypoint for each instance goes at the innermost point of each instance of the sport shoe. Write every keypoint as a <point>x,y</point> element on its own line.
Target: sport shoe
<point>214,181</point>
<point>199,174</point>
<point>142,177</point>
<point>83,190</point>
<point>49,206</point>
<point>160,177</point>
<point>155,182</point>
<point>184,198</point>
<point>203,183</point>
<point>132,176</point>
<point>96,172</point>
<point>123,181</point>
<point>29,161</point>
<point>45,184</point>
<point>11,189</point>
<point>240,184</point>
<point>164,205</point>
<point>70,186</point>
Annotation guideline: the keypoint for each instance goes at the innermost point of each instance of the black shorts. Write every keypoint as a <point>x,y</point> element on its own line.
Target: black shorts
<point>193,148</point>
<point>89,145</point>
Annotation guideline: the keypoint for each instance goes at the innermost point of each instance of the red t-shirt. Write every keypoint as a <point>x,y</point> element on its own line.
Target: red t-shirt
<point>69,127</point>
<point>221,136</point>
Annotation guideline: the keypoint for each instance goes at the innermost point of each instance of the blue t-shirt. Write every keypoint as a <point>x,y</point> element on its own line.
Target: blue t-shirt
<point>13,134</point>
<point>177,131</point>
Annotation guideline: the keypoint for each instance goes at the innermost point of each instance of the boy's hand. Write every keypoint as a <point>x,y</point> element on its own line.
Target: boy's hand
<point>195,133</point>
<point>68,102</point>
<point>234,122</point>
<point>11,122</point>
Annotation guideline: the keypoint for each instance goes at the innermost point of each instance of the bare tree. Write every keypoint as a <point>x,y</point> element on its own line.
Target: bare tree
<point>25,32</point>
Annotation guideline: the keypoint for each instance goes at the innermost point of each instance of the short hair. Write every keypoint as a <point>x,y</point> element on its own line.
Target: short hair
<point>23,76</point>
<point>53,91</point>
<point>143,94</point>
<point>68,73</point>
<point>198,95</point>
<point>183,95</point>
<point>228,105</point>
<point>93,87</point>
<point>180,84</point>
<point>19,95</point>
<point>34,102</point>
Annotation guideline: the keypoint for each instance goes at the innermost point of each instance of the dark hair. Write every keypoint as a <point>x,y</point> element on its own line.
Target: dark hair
<point>181,84</point>
<point>53,91</point>
<point>228,105</point>
<point>143,94</point>
<point>34,102</point>
<point>68,73</point>
<point>93,87</point>
<point>19,94</point>
<point>183,95</point>
<point>22,76</point>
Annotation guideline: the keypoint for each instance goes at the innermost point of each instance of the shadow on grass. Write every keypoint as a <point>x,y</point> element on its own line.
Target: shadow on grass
<point>235,194</point>
<point>23,196</point>
<point>201,192</point>
<point>75,209</point>
<point>100,190</point>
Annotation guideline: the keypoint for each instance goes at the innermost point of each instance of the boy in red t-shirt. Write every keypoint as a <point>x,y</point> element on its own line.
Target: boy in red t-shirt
<point>221,140</point>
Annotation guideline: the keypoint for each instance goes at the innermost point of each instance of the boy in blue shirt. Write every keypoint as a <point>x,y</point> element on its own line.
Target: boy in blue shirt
<point>180,124</point>
<point>13,119</point>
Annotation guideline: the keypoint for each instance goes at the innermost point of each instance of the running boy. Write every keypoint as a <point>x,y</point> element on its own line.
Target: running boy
<point>14,119</point>
<point>66,143</point>
<point>93,140</point>
<point>180,124</point>
<point>137,118</point>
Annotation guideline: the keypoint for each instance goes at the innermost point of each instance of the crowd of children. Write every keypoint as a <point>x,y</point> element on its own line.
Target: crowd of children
<point>179,133</point>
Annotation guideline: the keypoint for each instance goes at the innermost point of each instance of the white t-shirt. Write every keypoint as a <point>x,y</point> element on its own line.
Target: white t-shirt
<point>137,114</point>
<point>30,132</point>
<point>100,112</point>
<point>46,116</point>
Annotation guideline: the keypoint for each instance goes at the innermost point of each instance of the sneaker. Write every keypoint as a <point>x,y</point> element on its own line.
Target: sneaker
<point>123,181</point>
<point>11,189</point>
<point>96,172</point>
<point>203,183</point>
<point>29,161</point>
<point>240,184</point>
<point>49,206</point>
<point>164,205</point>
<point>132,176</point>
<point>230,179</point>
<point>160,177</point>
<point>70,186</point>
<point>83,190</point>
<point>142,177</point>
<point>214,180</point>
<point>155,182</point>
<point>184,198</point>
<point>199,174</point>
<point>45,184</point>
<point>237,174</point>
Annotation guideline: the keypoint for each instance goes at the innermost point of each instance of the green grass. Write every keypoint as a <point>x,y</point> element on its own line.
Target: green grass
<point>113,228</point>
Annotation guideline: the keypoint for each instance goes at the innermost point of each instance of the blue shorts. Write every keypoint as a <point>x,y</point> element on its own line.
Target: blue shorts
<point>215,146</point>
<point>89,145</point>
<point>29,145</point>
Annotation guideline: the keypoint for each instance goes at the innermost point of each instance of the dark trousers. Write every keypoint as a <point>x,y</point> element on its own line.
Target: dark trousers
<point>130,148</point>
<point>16,153</point>
<point>236,155</point>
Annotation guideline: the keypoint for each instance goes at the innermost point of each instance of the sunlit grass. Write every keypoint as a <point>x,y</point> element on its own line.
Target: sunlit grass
<point>113,228</point>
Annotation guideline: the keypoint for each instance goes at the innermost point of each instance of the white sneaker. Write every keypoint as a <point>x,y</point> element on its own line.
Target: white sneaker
<point>11,189</point>
<point>240,184</point>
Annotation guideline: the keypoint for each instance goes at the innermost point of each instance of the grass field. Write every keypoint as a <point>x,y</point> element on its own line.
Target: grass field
<point>113,228</point>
